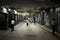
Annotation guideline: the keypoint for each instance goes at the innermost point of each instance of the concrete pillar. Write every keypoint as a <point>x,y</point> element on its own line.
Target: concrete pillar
<point>55,15</point>
<point>20,18</point>
<point>49,12</point>
<point>17,19</point>
<point>42,18</point>
<point>34,19</point>
<point>56,11</point>
<point>37,18</point>
<point>7,21</point>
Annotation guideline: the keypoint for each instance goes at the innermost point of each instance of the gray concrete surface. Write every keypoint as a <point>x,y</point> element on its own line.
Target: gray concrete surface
<point>23,32</point>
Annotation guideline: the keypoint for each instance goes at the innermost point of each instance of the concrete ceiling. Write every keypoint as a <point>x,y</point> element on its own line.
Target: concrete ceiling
<point>28,3</point>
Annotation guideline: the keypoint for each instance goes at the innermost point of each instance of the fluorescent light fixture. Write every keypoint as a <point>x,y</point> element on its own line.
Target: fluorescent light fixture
<point>15,11</point>
<point>4,10</point>
<point>9,9</point>
<point>23,14</point>
<point>26,13</point>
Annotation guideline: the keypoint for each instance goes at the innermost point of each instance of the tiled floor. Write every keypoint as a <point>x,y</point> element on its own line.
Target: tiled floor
<point>24,32</point>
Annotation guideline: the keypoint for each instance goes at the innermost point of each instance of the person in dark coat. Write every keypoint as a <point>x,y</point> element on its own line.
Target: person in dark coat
<point>53,24</point>
<point>27,24</point>
<point>12,24</point>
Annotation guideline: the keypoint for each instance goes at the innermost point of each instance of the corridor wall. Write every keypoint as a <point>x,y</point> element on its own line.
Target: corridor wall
<point>3,21</point>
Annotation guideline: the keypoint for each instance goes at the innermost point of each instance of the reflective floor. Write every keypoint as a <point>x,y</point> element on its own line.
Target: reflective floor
<point>24,32</point>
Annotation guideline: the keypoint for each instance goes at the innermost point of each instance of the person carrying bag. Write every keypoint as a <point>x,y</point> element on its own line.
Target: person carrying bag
<point>12,25</point>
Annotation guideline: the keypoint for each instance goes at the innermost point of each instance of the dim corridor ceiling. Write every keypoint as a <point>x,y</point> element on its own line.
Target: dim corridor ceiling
<point>29,3</point>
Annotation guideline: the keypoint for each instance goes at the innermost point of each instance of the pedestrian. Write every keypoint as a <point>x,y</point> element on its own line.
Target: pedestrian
<point>53,24</point>
<point>27,24</point>
<point>12,24</point>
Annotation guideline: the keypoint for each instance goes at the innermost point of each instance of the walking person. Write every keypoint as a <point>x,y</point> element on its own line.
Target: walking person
<point>12,24</point>
<point>53,24</point>
<point>27,24</point>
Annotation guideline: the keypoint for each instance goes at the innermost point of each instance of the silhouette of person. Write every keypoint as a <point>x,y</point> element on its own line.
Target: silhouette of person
<point>53,24</point>
<point>27,24</point>
<point>12,24</point>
